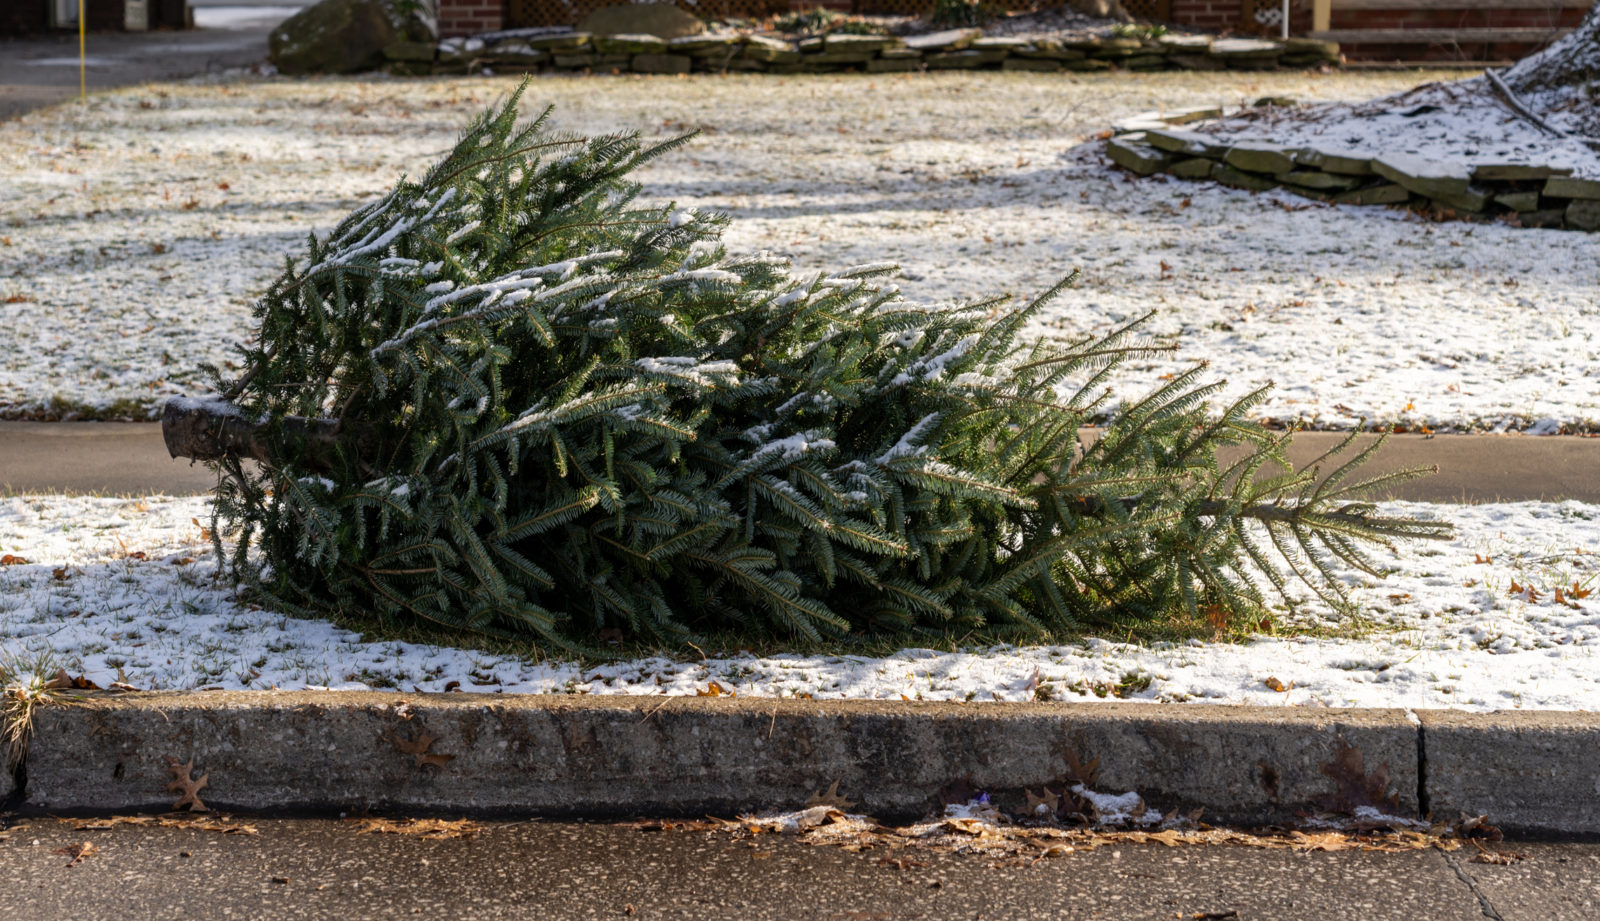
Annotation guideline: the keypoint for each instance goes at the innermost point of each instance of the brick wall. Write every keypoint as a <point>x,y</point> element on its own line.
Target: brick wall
<point>1230,16</point>
<point>466,17</point>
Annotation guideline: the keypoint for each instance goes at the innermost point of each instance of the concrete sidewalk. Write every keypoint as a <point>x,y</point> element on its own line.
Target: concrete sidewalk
<point>130,458</point>
<point>43,70</point>
<point>1532,773</point>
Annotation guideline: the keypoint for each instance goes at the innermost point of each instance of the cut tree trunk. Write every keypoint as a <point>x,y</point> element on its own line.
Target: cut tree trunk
<point>214,430</point>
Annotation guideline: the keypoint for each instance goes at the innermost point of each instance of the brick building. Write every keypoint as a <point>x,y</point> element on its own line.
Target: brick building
<point>24,17</point>
<point>1415,30</point>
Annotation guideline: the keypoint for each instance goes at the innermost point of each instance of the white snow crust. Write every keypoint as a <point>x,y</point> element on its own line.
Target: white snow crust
<point>125,589</point>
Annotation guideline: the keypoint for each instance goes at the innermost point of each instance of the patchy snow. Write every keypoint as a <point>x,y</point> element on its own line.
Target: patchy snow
<point>1459,122</point>
<point>124,589</point>
<point>135,232</point>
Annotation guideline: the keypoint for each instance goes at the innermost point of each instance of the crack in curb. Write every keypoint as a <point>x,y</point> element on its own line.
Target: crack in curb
<point>1424,802</point>
<point>1483,900</point>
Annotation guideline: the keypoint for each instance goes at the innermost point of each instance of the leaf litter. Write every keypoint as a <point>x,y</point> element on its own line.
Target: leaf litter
<point>428,829</point>
<point>1071,817</point>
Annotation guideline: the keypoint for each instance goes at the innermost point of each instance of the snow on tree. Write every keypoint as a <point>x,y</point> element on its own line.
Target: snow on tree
<point>512,399</point>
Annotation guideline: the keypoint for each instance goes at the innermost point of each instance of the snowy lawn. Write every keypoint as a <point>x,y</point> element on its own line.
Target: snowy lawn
<point>135,232</point>
<point>124,589</point>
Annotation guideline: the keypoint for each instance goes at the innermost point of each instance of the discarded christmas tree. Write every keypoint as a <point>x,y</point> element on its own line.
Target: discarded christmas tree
<point>508,398</point>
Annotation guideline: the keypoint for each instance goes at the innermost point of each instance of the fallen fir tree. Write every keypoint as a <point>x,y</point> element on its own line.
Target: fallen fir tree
<point>511,399</point>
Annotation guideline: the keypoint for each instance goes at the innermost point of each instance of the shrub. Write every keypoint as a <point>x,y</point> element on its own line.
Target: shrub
<point>950,14</point>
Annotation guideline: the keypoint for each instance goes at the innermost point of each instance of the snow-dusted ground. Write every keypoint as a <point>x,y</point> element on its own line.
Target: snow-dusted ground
<point>1460,122</point>
<point>123,589</point>
<point>135,232</point>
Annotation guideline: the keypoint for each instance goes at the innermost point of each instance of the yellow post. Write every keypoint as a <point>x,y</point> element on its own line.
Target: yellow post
<point>83,62</point>
<point>1321,15</point>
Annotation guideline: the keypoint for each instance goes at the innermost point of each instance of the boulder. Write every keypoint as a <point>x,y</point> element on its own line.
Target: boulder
<point>1136,157</point>
<point>662,63</point>
<point>770,50</point>
<point>1240,179</point>
<point>1517,171</point>
<point>409,51</point>
<point>841,43</point>
<point>948,40</point>
<point>1188,143</point>
<point>1348,163</point>
<point>626,43</point>
<point>1316,179</point>
<point>1387,194</point>
<point>1040,65</point>
<point>1185,44</point>
<point>894,65</point>
<point>1548,218</point>
<point>1425,176</point>
<point>1258,158</point>
<point>1584,214</point>
<point>1192,168</point>
<point>663,20</point>
<point>1519,201</point>
<point>1567,187</point>
<point>333,37</point>
<point>560,42</point>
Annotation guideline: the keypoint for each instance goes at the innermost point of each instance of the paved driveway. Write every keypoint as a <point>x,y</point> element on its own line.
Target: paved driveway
<point>43,70</point>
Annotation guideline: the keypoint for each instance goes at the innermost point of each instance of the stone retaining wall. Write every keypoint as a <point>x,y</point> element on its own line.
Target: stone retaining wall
<point>1525,194</point>
<point>958,49</point>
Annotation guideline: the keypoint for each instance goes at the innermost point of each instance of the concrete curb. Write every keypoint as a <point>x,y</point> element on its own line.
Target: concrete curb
<point>606,756</point>
<point>1530,771</point>
<point>615,755</point>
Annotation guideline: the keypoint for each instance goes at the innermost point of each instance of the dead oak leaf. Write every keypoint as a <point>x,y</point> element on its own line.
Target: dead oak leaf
<point>183,783</point>
<point>77,852</point>
<point>830,797</point>
<point>418,748</point>
<point>1042,804</point>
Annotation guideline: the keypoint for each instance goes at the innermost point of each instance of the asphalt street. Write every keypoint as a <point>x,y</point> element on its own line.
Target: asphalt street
<point>310,868</point>
<point>42,70</point>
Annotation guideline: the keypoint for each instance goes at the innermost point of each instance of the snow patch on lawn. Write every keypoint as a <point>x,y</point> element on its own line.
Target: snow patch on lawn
<point>142,226</point>
<point>125,589</point>
<point>1460,122</point>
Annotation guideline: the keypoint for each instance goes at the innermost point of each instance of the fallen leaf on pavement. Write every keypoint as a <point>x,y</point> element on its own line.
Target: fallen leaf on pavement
<point>830,797</point>
<point>77,852</point>
<point>430,829</point>
<point>217,823</point>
